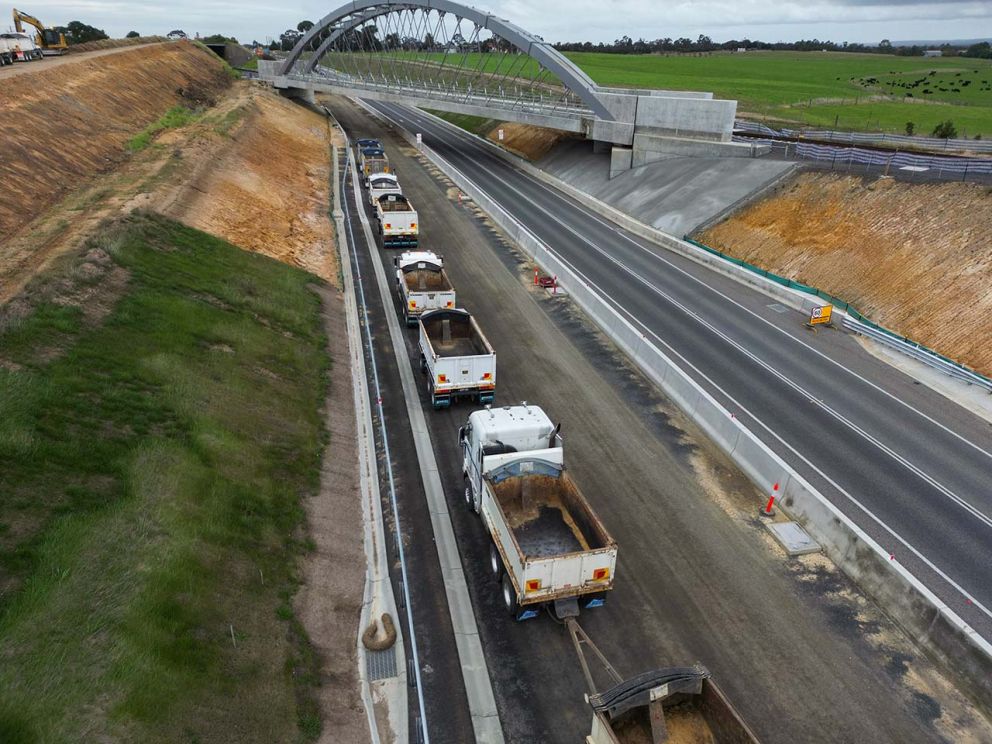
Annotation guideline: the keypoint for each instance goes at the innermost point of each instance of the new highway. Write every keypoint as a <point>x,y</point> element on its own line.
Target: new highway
<point>913,469</point>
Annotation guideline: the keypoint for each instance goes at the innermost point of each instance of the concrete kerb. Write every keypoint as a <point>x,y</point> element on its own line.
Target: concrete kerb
<point>378,593</point>
<point>475,671</point>
<point>925,618</point>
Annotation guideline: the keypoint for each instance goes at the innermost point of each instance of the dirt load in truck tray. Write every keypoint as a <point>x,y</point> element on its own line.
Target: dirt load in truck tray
<point>685,725</point>
<point>457,347</point>
<point>540,521</point>
<point>423,280</point>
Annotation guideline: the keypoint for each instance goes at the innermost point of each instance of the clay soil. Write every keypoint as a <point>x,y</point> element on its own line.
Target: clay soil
<point>532,143</point>
<point>913,257</point>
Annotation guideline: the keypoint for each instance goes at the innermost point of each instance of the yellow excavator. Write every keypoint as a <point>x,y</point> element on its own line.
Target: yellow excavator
<point>49,40</point>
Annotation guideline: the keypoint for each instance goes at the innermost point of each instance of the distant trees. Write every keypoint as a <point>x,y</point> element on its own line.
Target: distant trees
<point>304,26</point>
<point>132,35</point>
<point>288,39</point>
<point>981,50</point>
<point>703,44</point>
<point>77,32</point>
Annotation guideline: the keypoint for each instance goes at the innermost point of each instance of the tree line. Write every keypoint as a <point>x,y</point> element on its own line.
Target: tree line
<point>703,43</point>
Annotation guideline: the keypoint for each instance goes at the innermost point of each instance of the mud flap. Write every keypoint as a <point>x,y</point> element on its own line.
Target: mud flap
<point>568,607</point>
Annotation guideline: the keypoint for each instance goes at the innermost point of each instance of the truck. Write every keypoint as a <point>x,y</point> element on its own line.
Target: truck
<point>20,47</point>
<point>457,358</point>
<point>372,160</point>
<point>547,547</point>
<point>6,52</point>
<point>397,221</point>
<point>381,184</point>
<point>422,284</point>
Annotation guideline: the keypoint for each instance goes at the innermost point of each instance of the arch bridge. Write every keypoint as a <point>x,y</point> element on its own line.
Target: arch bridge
<point>443,55</point>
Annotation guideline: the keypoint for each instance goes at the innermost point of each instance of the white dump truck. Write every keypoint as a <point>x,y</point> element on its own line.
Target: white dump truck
<point>422,284</point>
<point>382,184</point>
<point>397,221</point>
<point>20,47</point>
<point>372,161</point>
<point>548,547</point>
<point>457,358</point>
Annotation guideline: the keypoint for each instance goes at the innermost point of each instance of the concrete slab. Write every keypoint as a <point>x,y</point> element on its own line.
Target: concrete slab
<point>676,194</point>
<point>793,538</point>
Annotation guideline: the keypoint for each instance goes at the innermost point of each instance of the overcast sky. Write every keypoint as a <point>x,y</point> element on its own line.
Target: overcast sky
<point>567,20</point>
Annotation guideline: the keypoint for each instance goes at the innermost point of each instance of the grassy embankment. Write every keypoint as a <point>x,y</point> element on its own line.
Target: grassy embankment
<point>859,92</point>
<point>159,425</point>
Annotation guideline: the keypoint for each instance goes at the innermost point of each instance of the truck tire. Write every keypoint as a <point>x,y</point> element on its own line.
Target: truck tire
<point>509,596</point>
<point>495,562</point>
<point>469,501</point>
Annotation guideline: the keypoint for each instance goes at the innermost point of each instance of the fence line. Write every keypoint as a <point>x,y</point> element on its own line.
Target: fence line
<point>866,137</point>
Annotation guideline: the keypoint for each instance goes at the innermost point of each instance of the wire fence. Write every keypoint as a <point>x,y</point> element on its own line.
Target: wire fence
<point>868,138</point>
<point>902,165</point>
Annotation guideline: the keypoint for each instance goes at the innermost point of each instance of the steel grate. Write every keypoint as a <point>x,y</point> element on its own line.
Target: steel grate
<point>380,664</point>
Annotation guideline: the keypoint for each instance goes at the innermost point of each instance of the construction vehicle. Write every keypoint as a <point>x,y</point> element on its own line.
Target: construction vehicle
<point>51,42</point>
<point>381,184</point>
<point>371,161</point>
<point>458,360</point>
<point>547,547</point>
<point>676,705</point>
<point>422,284</point>
<point>20,47</point>
<point>397,221</point>
<point>6,51</point>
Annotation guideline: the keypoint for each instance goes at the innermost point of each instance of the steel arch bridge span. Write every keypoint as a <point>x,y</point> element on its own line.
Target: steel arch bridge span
<point>342,27</point>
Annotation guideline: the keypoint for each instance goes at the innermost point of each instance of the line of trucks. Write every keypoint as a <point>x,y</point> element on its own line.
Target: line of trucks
<point>547,547</point>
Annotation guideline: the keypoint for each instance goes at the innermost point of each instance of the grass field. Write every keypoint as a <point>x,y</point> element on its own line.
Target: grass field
<point>861,92</point>
<point>818,88</point>
<point>160,422</point>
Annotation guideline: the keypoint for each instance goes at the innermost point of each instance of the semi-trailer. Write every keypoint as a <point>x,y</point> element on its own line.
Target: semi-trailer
<point>457,358</point>
<point>422,284</point>
<point>547,546</point>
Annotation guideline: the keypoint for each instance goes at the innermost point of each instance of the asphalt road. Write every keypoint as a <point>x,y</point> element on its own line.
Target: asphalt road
<point>796,647</point>
<point>911,468</point>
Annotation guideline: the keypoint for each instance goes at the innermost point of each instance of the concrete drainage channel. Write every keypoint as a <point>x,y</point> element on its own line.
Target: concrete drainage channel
<point>934,625</point>
<point>374,665</point>
<point>475,671</point>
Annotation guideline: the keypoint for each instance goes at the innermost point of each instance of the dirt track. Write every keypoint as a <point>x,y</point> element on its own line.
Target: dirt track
<point>914,257</point>
<point>22,68</point>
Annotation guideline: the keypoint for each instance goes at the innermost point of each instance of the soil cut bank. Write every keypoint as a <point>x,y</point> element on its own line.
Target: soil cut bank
<point>913,257</point>
<point>68,123</point>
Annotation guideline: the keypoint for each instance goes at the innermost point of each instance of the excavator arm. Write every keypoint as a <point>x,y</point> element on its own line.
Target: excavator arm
<point>48,39</point>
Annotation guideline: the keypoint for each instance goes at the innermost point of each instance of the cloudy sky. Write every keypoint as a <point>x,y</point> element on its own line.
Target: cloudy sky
<point>568,20</point>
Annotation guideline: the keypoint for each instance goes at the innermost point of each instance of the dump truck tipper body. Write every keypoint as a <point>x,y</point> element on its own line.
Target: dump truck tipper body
<point>371,161</point>
<point>456,357</point>
<point>548,546</point>
<point>398,222</point>
<point>382,184</point>
<point>422,284</point>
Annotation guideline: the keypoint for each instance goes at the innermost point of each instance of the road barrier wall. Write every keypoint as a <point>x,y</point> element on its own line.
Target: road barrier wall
<point>930,622</point>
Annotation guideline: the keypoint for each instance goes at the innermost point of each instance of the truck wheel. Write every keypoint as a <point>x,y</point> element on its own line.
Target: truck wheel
<point>495,562</point>
<point>509,596</point>
<point>469,501</point>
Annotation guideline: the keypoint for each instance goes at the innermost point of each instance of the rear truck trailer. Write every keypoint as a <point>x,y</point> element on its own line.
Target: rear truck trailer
<point>547,546</point>
<point>422,284</point>
<point>371,162</point>
<point>398,222</point>
<point>456,357</point>
<point>382,184</point>
<point>366,143</point>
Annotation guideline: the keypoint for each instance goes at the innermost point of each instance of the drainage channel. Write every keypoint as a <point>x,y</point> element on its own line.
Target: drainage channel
<point>419,721</point>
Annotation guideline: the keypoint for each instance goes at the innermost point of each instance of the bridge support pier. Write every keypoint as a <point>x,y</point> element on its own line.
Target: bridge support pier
<point>298,94</point>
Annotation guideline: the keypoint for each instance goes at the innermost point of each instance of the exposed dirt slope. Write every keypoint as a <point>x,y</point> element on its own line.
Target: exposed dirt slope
<point>914,257</point>
<point>67,123</point>
<point>268,190</point>
<point>532,143</point>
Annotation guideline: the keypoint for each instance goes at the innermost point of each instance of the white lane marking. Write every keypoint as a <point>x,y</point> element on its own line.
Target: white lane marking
<point>926,477</point>
<point>564,198</point>
<point>926,561</point>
